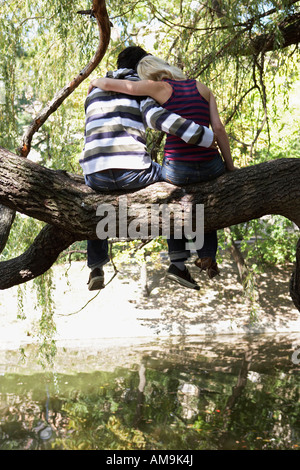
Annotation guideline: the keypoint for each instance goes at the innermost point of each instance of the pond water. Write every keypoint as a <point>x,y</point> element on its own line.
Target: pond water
<point>184,394</point>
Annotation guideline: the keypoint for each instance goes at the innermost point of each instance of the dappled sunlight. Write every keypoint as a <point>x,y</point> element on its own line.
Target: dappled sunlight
<point>221,304</point>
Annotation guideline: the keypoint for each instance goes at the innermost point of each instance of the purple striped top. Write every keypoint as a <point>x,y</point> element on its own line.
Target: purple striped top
<point>188,102</point>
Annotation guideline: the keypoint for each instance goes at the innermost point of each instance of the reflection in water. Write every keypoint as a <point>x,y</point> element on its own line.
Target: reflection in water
<point>241,393</point>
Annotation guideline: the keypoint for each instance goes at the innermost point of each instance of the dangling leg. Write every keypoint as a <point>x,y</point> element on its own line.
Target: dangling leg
<point>97,251</point>
<point>206,260</point>
<point>177,271</point>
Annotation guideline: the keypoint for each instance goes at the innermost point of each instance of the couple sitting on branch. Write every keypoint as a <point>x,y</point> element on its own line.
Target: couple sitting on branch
<point>145,91</point>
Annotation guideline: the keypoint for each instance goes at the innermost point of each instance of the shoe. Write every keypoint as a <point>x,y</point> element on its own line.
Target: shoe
<point>207,264</point>
<point>182,277</point>
<point>96,279</point>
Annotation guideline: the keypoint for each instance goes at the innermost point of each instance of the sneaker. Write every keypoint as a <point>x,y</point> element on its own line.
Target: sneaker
<point>96,279</point>
<point>182,277</point>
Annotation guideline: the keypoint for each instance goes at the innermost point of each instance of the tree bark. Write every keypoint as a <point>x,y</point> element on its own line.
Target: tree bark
<point>7,216</point>
<point>39,257</point>
<point>62,199</point>
<point>289,30</point>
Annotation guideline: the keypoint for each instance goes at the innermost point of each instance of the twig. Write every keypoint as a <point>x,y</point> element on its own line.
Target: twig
<point>116,271</point>
<point>80,310</point>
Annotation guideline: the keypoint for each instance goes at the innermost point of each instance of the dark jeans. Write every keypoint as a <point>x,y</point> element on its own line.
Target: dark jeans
<point>182,173</point>
<point>113,180</point>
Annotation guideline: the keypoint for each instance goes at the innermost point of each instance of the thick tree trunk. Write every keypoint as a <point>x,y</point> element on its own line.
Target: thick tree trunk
<point>63,201</point>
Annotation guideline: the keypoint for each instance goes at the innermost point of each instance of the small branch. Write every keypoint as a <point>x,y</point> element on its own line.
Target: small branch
<point>80,310</point>
<point>90,300</point>
<point>236,255</point>
<point>100,13</point>
<point>86,12</point>
<point>263,95</point>
<point>112,262</point>
<point>237,106</point>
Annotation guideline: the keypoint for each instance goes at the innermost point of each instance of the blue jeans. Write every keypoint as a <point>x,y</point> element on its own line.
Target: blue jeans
<point>181,173</point>
<point>114,180</point>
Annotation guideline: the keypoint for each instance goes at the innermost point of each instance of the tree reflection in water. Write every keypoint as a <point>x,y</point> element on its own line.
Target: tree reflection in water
<point>183,394</point>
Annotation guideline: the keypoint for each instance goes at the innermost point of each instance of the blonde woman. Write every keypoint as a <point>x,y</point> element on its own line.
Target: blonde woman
<point>183,163</point>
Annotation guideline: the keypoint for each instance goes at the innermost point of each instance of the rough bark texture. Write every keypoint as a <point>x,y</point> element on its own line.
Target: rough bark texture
<point>289,30</point>
<point>7,216</point>
<point>63,201</point>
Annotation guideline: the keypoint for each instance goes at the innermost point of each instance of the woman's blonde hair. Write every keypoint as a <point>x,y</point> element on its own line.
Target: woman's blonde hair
<point>153,68</point>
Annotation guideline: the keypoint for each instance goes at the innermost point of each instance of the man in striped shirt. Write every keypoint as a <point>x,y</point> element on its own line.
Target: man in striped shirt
<point>115,155</point>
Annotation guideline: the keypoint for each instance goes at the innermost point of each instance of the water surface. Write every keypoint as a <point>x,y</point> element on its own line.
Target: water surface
<point>184,394</point>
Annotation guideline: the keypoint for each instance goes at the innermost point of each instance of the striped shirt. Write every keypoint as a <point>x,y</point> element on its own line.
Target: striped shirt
<point>188,102</point>
<point>115,128</point>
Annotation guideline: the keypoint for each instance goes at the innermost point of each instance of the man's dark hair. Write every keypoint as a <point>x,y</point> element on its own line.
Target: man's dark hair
<point>130,57</point>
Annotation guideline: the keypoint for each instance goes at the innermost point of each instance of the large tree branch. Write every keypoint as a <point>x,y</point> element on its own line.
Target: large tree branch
<point>64,201</point>
<point>282,35</point>
<point>289,31</point>
<point>39,257</point>
<point>7,216</point>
